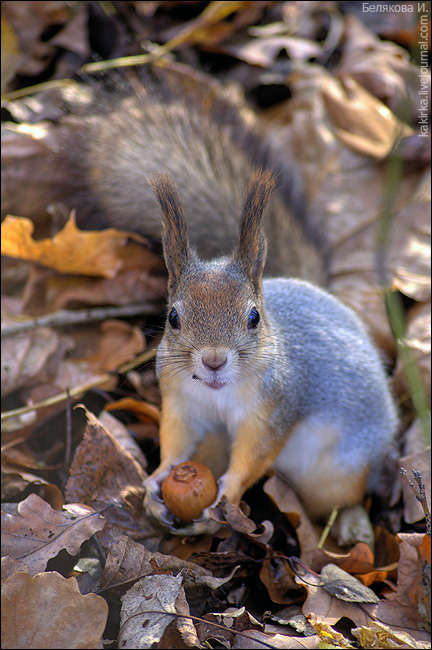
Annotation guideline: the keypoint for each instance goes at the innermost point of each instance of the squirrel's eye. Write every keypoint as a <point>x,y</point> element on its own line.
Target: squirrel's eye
<point>254,318</point>
<point>174,319</point>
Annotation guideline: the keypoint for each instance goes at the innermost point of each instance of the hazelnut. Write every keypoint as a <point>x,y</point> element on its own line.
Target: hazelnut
<point>188,489</point>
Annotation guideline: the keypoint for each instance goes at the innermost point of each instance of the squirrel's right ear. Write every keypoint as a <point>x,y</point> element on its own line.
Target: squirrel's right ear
<point>252,248</point>
<point>175,238</point>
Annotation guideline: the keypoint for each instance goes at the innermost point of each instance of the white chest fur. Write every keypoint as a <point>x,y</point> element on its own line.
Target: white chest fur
<point>211,410</point>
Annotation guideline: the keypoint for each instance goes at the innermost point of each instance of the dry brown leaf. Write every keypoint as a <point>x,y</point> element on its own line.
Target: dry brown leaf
<point>142,410</point>
<point>48,611</point>
<point>30,21</point>
<point>121,433</point>
<point>256,640</point>
<point>146,610</point>
<point>265,51</point>
<point>417,339</point>
<point>377,635</point>
<point>362,122</point>
<point>409,255</point>
<point>31,357</point>
<point>9,567</point>
<point>181,633</point>
<point>328,635</point>
<point>103,474</point>
<point>279,579</point>
<point>344,586</point>
<point>328,609</point>
<point>120,342</point>
<point>358,560</point>
<point>287,502</point>
<point>93,253</point>
<point>48,292</point>
<point>381,67</point>
<point>11,55</point>
<point>18,479</point>
<point>410,570</point>
<point>34,533</point>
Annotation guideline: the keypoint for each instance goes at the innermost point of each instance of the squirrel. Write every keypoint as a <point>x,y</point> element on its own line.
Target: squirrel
<point>280,369</point>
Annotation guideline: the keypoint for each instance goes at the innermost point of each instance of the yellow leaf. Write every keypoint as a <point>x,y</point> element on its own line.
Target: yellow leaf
<point>94,253</point>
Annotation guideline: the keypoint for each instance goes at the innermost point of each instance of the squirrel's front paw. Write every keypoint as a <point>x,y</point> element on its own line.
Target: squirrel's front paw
<point>158,512</point>
<point>204,524</point>
<point>156,509</point>
<point>154,504</point>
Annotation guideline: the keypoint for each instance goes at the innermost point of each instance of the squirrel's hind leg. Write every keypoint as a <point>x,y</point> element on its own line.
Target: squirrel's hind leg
<point>312,462</point>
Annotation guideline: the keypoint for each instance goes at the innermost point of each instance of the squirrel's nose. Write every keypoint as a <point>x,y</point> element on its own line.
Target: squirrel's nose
<point>213,359</point>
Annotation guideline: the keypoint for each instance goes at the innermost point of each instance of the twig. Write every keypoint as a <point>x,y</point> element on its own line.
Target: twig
<point>82,388</point>
<point>420,494</point>
<point>213,13</point>
<point>37,88</point>
<point>334,513</point>
<point>72,317</point>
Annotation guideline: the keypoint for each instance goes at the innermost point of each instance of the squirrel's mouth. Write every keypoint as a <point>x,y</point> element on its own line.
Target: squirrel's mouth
<point>215,385</point>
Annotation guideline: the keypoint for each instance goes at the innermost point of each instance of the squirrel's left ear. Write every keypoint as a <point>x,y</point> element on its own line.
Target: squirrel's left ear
<point>252,248</point>
<point>177,252</point>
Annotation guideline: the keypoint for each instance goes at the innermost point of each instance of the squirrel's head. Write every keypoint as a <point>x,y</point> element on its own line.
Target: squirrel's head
<point>215,324</point>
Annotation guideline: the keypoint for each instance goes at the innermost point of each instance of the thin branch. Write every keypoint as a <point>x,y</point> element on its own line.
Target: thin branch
<point>420,494</point>
<point>78,390</point>
<point>73,317</point>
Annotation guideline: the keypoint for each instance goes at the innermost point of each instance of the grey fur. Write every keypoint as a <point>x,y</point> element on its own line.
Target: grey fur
<point>325,363</point>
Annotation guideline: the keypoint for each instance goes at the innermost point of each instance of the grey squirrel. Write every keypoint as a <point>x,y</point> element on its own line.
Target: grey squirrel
<point>281,370</point>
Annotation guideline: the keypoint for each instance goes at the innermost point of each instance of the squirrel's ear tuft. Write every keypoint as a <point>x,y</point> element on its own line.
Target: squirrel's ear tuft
<point>175,238</point>
<point>252,248</point>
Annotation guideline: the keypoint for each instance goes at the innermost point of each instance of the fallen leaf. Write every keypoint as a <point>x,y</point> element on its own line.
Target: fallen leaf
<point>359,559</point>
<point>264,51</point>
<point>103,474</point>
<point>410,584</point>
<point>288,503</point>
<point>142,410</point>
<point>30,26</point>
<point>119,343</point>
<point>417,339</point>
<point>94,253</point>
<point>9,567</point>
<point>146,610</point>
<point>279,579</point>
<point>121,433</point>
<point>377,635</point>
<point>44,293</point>
<point>362,122</point>
<point>31,357</point>
<point>409,254</point>
<point>328,609</point>
<point>341,584</point>
<point>48,611</point>
<point>34,533</point>
<point>381,67</point>
<point>327,635</point>
<point>256,640</point>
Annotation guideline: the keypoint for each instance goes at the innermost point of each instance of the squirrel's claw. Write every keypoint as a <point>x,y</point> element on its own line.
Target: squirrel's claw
<point>204,524</point>
<point>157,510</point>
